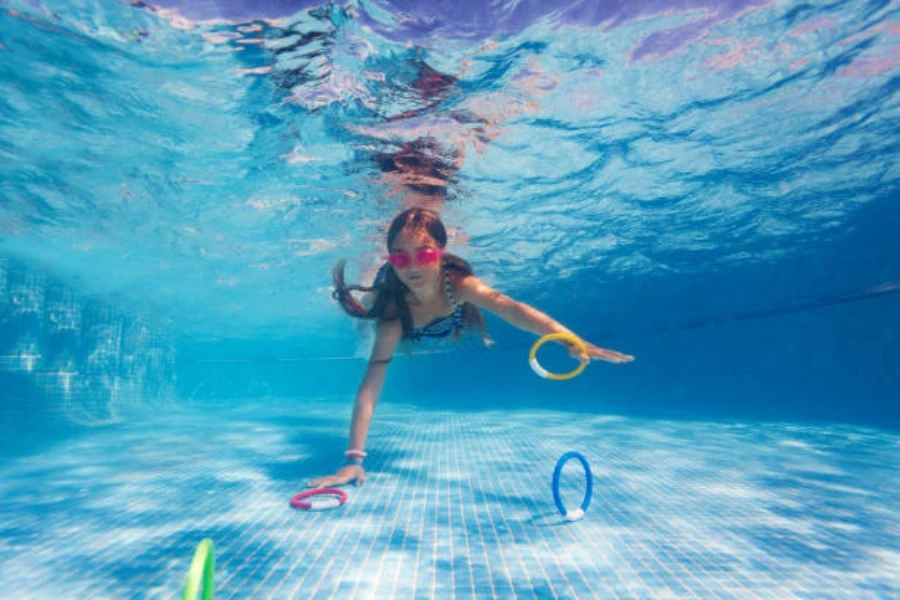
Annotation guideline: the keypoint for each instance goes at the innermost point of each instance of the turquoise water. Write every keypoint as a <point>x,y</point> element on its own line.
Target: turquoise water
<point>712,188</point>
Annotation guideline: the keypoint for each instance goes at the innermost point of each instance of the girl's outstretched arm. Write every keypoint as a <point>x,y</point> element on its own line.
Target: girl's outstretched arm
<point>386,340</point>
<point>523,316</point>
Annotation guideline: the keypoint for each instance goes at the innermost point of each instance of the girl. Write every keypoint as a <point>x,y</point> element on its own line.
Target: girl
<point>423,292</point>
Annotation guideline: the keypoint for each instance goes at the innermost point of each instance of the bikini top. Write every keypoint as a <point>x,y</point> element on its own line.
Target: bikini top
<point>442,326</point>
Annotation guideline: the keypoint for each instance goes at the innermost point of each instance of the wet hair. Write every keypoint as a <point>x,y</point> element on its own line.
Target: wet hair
<point>390,293</point>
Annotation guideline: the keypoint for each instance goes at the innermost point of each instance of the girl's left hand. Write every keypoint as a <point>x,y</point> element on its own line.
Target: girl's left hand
<point>596,352</point>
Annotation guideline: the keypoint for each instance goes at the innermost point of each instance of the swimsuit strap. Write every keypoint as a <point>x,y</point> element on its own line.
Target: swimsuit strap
<point>449,289</point>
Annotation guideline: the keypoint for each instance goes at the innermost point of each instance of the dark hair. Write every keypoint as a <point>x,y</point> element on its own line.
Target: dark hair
<point>390,293</point>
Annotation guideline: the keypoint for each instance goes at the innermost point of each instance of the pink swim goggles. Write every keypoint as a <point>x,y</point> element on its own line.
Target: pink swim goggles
<point>424,256</point>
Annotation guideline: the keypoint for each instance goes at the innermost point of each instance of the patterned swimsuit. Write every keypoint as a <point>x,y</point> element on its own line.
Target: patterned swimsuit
<point>442,326</point>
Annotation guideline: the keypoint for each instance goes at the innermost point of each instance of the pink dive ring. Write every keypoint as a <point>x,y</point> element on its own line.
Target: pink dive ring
<point>297,501</point>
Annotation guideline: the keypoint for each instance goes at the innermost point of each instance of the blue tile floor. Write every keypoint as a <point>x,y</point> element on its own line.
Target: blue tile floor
<point>458,505</point>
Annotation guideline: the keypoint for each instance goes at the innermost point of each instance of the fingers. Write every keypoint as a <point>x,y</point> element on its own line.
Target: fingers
<point>322,482</point>
<point>611,355</point>
<point>357,475</point>
<point>623,358</point>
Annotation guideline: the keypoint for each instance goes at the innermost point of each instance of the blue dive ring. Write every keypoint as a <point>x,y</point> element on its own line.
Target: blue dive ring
<point>578,513</point>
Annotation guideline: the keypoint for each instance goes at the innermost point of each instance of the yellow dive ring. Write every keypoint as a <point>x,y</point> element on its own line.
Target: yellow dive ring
<point>541,371</point>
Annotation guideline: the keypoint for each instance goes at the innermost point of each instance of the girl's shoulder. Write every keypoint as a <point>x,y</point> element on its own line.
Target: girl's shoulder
<point>390,326</point>
<point>391,312</point>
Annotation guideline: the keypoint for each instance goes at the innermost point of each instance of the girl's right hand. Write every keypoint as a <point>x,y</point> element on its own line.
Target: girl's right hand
<point>354,473</point>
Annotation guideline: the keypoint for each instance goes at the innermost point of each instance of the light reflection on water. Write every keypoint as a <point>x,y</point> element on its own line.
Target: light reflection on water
<point>456,503</point>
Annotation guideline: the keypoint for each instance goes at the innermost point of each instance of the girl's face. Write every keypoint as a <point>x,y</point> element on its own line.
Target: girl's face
<point>416,259</point>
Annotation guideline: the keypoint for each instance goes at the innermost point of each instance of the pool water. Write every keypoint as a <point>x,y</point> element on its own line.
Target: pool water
<point>710,187</point>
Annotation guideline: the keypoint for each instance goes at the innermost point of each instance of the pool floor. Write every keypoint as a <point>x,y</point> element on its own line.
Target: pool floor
<point>457,505</point>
